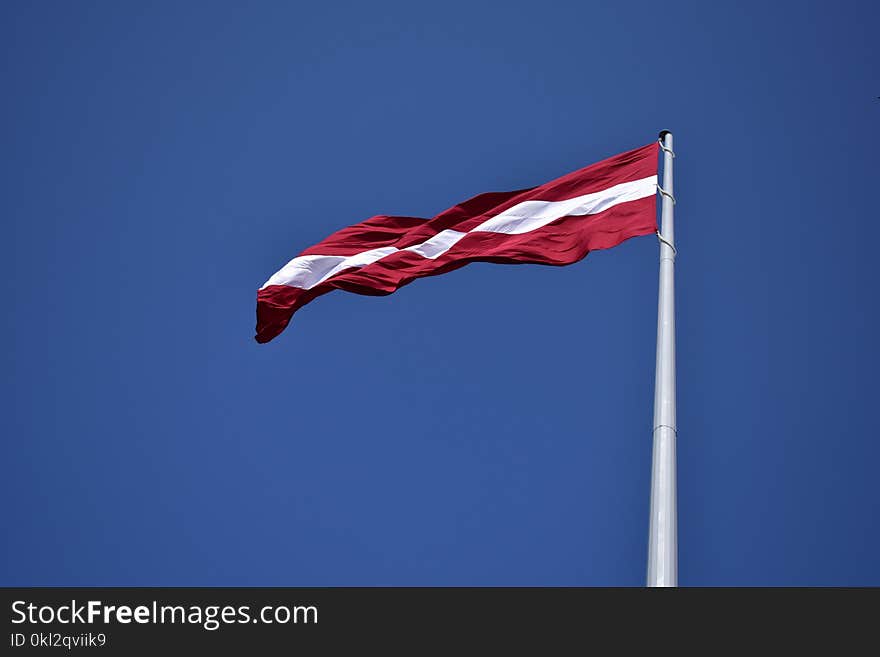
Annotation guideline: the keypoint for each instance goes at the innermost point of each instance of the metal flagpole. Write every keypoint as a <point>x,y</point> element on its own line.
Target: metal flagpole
<point>663,530</point>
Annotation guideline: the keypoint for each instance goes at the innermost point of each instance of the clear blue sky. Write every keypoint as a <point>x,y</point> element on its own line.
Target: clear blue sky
<point>491,426</point>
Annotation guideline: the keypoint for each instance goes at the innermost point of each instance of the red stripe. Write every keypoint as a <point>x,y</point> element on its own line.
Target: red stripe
<point>373,233</point>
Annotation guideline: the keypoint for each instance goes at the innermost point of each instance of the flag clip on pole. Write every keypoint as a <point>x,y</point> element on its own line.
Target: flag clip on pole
<point>663,528</point>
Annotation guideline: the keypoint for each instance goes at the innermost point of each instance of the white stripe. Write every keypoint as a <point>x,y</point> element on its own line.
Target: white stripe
<point>530,215</point>
<point>436,246</point>
<point>308,271</point>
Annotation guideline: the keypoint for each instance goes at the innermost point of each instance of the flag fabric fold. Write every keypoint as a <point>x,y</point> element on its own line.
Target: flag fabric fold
<point>557,223</point>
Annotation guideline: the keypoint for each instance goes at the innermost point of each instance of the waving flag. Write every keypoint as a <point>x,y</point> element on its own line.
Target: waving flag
<point>557,223</point>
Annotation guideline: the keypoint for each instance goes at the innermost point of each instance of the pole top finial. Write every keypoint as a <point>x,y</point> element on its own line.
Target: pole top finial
<point>663,134</point>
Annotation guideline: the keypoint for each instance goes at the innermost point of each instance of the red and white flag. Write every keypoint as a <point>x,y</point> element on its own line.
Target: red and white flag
<point>557,223</point>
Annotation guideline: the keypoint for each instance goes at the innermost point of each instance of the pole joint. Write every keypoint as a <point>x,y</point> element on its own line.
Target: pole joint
<point>667,426</point>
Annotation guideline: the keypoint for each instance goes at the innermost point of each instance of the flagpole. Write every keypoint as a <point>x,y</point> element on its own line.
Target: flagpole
<point>663,529</point>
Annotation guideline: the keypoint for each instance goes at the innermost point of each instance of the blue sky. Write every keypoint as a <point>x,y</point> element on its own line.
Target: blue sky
<point>491,426</point>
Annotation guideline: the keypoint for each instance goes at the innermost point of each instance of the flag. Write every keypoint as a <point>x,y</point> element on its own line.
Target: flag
<point>557,223</point>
